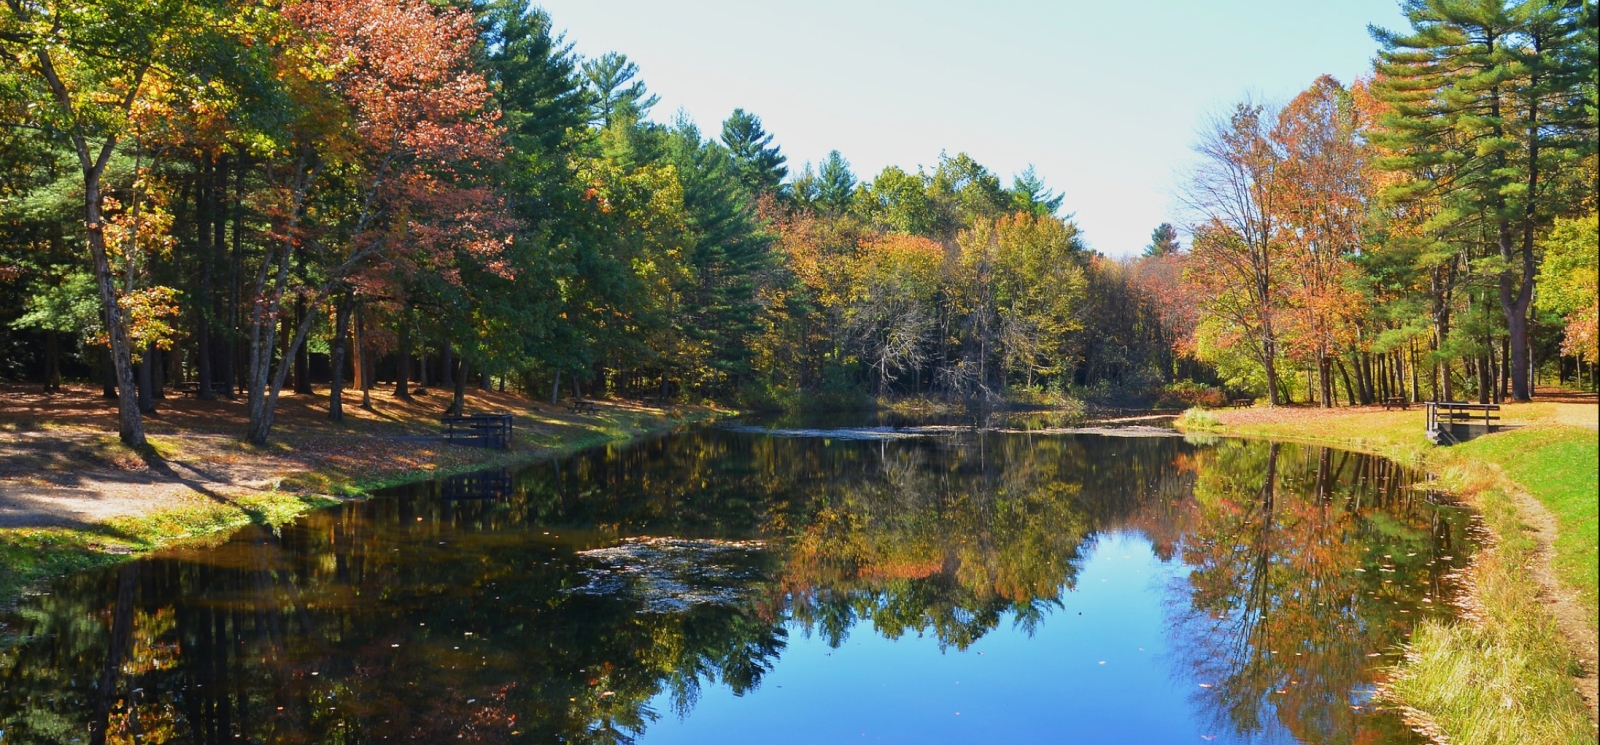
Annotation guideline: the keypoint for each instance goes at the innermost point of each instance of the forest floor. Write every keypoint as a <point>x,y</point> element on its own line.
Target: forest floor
<point>1522,668</point>
<point>72,496</point>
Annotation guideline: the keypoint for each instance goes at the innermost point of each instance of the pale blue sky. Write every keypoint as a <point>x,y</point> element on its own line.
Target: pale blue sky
<point>1104,98</point>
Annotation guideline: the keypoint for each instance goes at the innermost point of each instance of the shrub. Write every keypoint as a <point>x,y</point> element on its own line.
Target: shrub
<point>1189,394</point>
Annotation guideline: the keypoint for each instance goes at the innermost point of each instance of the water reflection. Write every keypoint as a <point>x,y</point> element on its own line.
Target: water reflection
<point>586,599</point>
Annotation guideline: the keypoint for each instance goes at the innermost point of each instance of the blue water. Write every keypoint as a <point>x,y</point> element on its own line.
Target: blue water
<point>1098,669</point>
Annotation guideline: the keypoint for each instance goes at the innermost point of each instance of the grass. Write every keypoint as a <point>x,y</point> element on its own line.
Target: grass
<point>1505,673</point>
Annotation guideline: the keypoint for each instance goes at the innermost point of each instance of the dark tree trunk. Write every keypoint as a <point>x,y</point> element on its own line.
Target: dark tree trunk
<point>203,194</point>
<point>447,372</point>
<point>1349,392</point>
<point>143,374</point>
<point>110,674</point>
<point>458,386</point>
<point>1325,381</point>
<point>483,382</point>
<point>555,388</point>
<point>52,362</point>
<point>302,356</point>
<point>1506,367</point>
<point>341,331</point>
<point>235,370</point>
<point>402,385</point>
<point>108,381</point>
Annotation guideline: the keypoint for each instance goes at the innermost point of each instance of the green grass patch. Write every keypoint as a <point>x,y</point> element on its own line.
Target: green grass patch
<point>1557,466</point>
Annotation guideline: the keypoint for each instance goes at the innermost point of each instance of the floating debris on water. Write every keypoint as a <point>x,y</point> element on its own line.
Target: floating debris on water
<point>670,575</point>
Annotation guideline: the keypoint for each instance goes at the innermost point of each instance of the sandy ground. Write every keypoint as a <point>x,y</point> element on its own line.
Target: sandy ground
<point>61,465</point>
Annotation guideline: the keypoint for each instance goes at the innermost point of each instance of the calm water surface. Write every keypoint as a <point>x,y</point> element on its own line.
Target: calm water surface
<point>821,586</point>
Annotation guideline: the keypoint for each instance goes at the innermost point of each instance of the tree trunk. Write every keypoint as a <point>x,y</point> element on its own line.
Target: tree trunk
<point>341,330</point>
<point>130,424</point>
<point>364,362</point>
<point>52,362</point>
<point>483,380</point>
<point>422,367</point>
<point>302,356</point>
<point>447,373</point>
<point>202,218</point>
<point>1325,381</point>
<point>458,388</point>
<point>147,401</point>
<point>1349,392</point>
<point>402,385</point>
<point>555,388</point>
<point>1505,366</point>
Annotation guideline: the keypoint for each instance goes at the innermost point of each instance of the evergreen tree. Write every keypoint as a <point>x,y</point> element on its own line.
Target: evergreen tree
<point>1491,92</point>
<point>835,184</point>
<point>617,94</point>
<point>1028,194</point>
<point>1163,241</point>
<point>726,253</point>
<point>757,163</point>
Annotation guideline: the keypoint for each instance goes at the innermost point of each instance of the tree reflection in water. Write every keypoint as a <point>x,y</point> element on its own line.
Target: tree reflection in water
<point>416,618</point>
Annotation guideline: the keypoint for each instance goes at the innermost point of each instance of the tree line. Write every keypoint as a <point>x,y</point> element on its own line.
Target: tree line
<point>245,198</point>
<point>1428,232</point>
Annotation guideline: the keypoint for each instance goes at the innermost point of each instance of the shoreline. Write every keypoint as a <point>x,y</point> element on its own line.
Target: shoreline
<point>1522,661</point>
<point>88,502</point>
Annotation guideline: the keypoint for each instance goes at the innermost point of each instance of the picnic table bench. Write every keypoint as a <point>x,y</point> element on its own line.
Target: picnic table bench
<point>1445,416</point>
<point>483,430</point>
<point>218,388</point>
<point>1396,401</point>
<point>583,406</point>
<point>1241,403</point>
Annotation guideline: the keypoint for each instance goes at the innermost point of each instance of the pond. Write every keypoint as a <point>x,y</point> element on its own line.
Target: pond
<point>742,585</point>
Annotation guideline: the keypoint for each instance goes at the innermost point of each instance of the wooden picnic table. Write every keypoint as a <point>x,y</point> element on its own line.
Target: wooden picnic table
<point>1241,403</point>
<point>494,430</point>
<point>1396,401</point>
<point>583,405</point>
<point>1445,416</point>
<point>218,388</point>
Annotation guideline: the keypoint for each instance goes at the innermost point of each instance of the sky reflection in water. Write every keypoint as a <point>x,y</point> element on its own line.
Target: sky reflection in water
<point>969,588</point>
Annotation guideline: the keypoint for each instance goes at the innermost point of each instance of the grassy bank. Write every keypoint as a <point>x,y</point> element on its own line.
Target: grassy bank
<point>1506,672</point>
<point>66,454</point>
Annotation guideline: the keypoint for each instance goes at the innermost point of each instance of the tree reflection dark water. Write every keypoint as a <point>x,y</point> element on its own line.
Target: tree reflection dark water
<point>434,615</point>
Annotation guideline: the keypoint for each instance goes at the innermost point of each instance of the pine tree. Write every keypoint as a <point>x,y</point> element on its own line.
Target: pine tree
<point>1163,241</point>
<point>835,183</point>
<point>617,94</point>
<point>1028,194</point>
<point>1489,92</point>
<point>757,163</point>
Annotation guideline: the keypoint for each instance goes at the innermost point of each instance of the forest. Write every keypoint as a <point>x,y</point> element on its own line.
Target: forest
<point>260,198</point>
